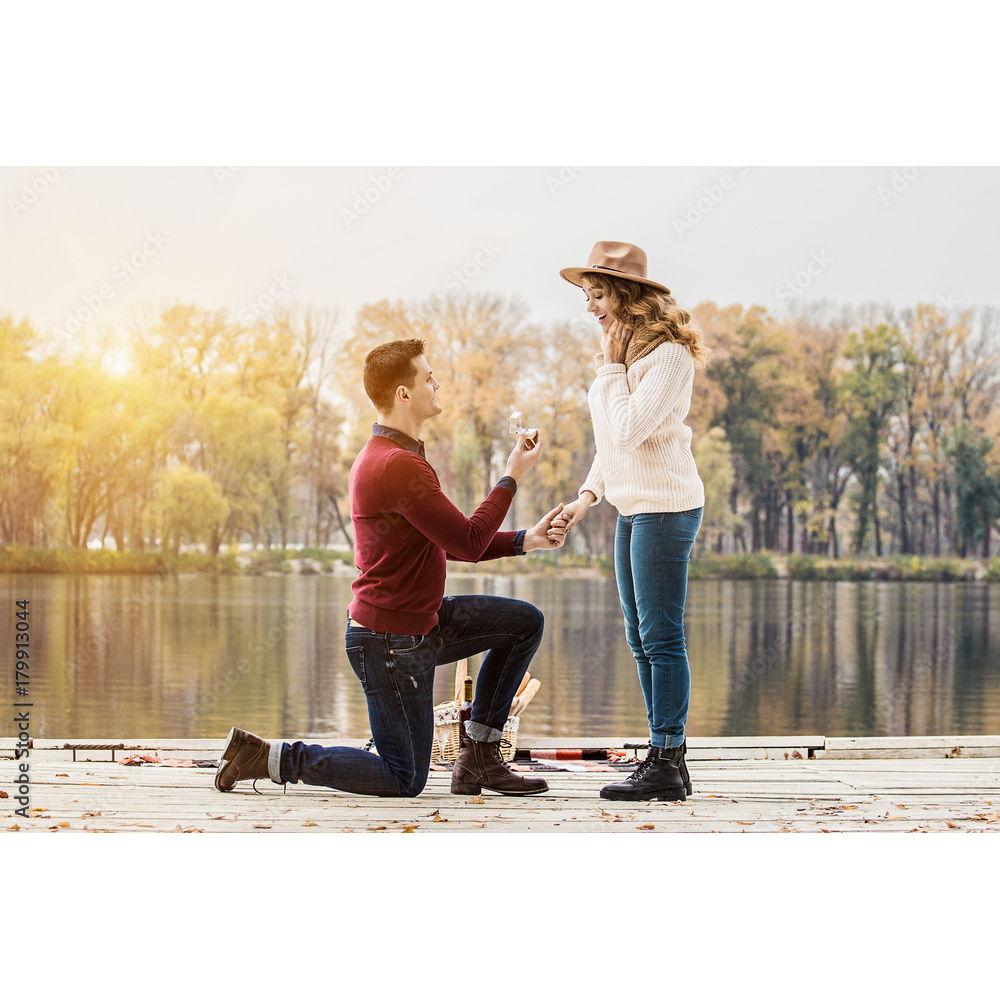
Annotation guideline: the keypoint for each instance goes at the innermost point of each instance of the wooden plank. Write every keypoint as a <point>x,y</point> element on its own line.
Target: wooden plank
<point>525,741</point>
<point>907,742</point>
<point>528,741</point>
<point>591,742</point>
<point>170,743</point>
<point>912,753</point>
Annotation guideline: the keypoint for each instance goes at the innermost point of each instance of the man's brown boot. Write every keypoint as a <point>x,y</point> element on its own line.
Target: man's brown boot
<point>481,765</point>
<point>244,757</point>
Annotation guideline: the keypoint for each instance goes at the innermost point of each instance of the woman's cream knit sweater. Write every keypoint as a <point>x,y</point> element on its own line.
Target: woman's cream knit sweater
<point>644,462</point>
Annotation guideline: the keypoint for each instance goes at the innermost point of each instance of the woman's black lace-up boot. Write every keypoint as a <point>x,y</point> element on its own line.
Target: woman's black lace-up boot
<point>658,778</point>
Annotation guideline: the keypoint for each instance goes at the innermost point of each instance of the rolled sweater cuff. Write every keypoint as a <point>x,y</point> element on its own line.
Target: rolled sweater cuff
<point>611,369</point>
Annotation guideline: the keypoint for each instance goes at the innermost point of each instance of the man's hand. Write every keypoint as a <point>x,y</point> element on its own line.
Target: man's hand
<point>545,534</point>
<point>522,458</point>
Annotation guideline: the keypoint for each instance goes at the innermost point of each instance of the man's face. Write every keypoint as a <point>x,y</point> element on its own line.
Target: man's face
<point>423,396</point>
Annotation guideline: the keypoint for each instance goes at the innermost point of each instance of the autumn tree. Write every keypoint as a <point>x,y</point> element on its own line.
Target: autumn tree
<point>715,466</point>
<point>871,391</point>
<point>190,505</point>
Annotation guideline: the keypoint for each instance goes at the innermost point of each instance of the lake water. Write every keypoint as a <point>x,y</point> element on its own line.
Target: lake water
<point>189,656</point>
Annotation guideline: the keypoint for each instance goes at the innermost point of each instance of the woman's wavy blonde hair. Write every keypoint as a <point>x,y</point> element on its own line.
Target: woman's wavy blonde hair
<point>642,307</point>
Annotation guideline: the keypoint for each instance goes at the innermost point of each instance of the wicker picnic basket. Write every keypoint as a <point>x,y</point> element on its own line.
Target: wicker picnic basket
<point>446,739</point>
<point>446,726</point>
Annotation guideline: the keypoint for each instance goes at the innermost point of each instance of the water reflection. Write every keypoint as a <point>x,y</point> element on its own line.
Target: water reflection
<point>188,656</point>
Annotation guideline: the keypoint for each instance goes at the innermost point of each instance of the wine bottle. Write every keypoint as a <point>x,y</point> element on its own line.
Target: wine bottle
<point>465,712</point>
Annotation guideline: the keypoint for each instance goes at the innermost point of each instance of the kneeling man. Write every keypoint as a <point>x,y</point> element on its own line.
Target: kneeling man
<point>400,626</point>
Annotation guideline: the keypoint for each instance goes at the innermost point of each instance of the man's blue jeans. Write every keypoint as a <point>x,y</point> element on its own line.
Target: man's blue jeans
<point>652,552</point>
<point>397,674</point>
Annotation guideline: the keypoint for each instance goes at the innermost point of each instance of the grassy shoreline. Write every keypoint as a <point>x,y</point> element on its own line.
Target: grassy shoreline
<point>751,566</point>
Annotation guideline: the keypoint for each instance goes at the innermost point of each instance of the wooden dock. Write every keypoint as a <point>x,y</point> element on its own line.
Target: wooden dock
<point>742,784</point>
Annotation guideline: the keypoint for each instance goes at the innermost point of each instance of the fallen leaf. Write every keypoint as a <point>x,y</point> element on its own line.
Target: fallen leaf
<point>410,827</point>
<point>744,822</point>
<point>262,826</point>
<point>646,826</point>
<point>91,813</point>
<point>952,826</point>
<point>438,818</point>
<point>309,822</point>
<point>476,800</point>
<point>13,827</point>
<point>62,775</point>
<point>375,829</point>
<point>900,805</point>
<point>3,794</point>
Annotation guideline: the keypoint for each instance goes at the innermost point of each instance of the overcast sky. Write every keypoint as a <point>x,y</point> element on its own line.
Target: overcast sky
<point>80,249</point>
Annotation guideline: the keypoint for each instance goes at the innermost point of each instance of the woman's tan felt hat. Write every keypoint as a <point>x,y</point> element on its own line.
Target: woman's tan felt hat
<point>618,260</point>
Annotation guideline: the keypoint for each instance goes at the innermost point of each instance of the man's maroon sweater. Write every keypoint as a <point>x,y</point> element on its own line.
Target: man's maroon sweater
<point>405,529</point>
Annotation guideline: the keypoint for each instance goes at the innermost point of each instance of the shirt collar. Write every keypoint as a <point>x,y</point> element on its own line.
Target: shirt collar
<point>404,440</point>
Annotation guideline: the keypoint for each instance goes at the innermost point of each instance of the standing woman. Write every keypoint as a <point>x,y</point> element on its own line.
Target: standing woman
<point>644,468</point>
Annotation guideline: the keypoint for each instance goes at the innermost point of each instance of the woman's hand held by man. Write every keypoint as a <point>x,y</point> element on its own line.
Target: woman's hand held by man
<point>573,513</point>
<point>548,533</point>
